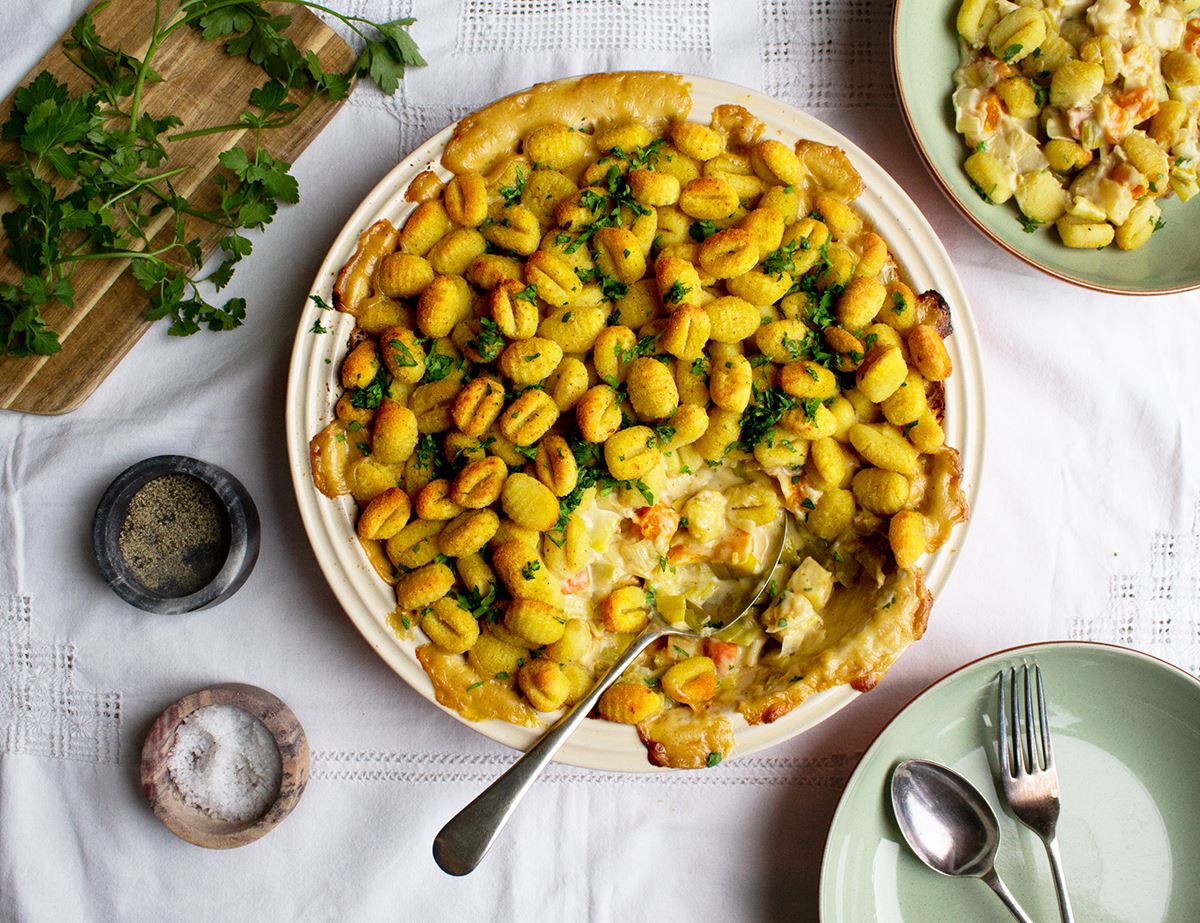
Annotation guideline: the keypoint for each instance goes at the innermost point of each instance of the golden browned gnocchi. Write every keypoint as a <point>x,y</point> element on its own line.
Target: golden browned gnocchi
<point>589,375</point>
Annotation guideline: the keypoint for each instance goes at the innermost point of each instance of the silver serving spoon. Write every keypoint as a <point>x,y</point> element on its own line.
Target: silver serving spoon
<point>949,825</point>
<point>464,841</point>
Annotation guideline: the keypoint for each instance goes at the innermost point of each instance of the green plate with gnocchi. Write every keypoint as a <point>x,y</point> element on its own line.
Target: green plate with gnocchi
<point>1069,136</point>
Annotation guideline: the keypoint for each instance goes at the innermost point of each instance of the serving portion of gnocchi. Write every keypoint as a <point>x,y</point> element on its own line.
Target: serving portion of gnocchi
<point>1086,113</point>
<point>590,371</point>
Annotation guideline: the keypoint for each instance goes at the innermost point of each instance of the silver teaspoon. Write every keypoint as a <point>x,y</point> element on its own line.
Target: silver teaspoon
<point>949,825</point>
<point>464,841</point>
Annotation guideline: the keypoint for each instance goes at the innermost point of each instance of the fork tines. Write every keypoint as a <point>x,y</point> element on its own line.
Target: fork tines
<point>1018,752</point>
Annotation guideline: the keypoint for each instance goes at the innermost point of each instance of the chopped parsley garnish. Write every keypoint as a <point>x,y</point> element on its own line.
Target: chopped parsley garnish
<point>986,196</point>
<point>592,200</point>
<point>766,407</point>
<point>777,262</point>
<point>402,354</point>
<point>426,452</point>
<point>610,288</point>
<point>528,293</point>
<point>481,606</point>
<point>664,434</point>
<point>701,231</point>
<point>439,365</point>
<point>899,305</point>
<point>675,293</point>
<point>489,341</point>
<point>530,568</point>
<point>1028,225</point>
<point>792,347</point>
<point>1011,52</point>
<point>512,194</point>
<point>645,346</point>
<point>370,397</point>
<point>713,759</point>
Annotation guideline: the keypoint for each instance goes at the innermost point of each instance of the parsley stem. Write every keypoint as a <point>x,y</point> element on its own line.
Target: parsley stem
<point>142,181</point>
<point>144,66</point>
<point>115,255</point>
<point>243,126</point>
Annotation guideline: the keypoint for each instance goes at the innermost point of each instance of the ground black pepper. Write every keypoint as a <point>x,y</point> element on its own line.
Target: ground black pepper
<point>175,535</point>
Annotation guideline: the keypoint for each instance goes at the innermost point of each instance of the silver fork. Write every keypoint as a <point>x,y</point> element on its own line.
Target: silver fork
<point>1030,782</point>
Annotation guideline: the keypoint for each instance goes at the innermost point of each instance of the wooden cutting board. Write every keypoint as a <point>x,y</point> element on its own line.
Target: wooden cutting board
<point>204,86</point>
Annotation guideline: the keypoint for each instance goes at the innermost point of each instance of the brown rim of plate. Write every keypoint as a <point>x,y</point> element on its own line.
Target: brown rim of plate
<point>966,666</point>
<point>949,193</point>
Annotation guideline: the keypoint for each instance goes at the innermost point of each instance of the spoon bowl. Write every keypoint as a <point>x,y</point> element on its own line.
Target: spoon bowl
<point>945,820</point>
<point>949,825</point>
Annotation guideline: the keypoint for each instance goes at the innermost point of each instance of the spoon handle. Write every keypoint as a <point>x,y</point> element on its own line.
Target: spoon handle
<point>992,880</point>
<point>467,837</point>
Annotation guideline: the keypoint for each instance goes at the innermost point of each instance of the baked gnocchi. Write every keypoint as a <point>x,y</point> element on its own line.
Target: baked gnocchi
<point>622,348</point>
<point>1086,114</point>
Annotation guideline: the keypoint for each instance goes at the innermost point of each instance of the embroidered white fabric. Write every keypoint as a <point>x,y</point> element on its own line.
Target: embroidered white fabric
<point>1087,527</point>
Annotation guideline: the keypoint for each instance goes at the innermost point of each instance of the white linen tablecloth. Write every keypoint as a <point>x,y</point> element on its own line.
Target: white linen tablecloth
<point>1088,526</point>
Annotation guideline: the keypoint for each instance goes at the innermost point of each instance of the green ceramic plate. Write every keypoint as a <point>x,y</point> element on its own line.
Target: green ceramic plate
<point>1126,732</point>
<point>924,58</point>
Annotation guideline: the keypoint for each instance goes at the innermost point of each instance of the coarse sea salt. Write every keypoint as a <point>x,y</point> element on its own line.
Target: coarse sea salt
<point>225,762</point>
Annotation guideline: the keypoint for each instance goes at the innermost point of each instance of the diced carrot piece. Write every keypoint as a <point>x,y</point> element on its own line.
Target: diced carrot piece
<point>992,110</point>
<point>1124,174</point>
<point>658,521</point>
<point>685,554</point>
<point>1001,69</point>
<point>1117,121</point>
<point>723,654</point>
<point>733,548</point>
<point>1140,103</point>
<point>1191,39</point>
<point>581,581</point>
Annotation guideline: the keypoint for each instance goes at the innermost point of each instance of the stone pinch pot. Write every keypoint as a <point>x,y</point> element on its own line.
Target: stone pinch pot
<point>192,824</point>
<point>240,511</point>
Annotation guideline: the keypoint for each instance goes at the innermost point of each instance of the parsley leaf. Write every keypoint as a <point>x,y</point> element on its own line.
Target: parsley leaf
<point>108,149</point>
<point>512,194</point>
<point>675,293</point>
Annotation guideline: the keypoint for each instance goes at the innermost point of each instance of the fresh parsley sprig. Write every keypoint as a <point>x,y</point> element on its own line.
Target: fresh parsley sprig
<point>90,182</point>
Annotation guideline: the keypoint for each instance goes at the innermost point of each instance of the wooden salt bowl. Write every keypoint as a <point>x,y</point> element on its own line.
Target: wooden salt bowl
<point>192,824</point>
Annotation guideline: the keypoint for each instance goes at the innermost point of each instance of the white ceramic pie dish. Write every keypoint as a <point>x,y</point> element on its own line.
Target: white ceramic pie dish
<point>313,388</point>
